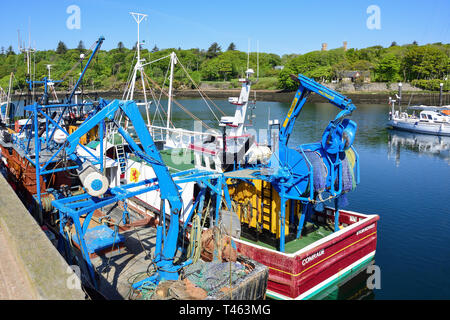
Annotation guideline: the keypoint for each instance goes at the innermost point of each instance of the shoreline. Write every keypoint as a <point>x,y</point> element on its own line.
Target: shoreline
<point>422,97</point>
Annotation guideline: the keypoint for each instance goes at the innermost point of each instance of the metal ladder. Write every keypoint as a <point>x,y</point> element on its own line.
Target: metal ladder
<point>266,205</point>
<point>120,151</point>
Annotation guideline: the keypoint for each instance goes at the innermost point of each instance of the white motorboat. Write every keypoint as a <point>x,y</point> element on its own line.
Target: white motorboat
<point>431,120</point>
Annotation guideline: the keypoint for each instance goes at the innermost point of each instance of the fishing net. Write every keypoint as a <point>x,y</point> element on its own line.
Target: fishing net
<point>213,276</point>
<point>320,171</point>
<point>348,172</point>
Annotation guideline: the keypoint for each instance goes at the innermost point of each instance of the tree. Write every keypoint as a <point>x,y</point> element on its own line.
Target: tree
<point>231,47</point>
<point>10,51</point>
<point>155,49</point>
<point>135,46</point>
<point>213,51</point>
<point>388,69</point>
<point>425,62</point>
<point>62,48</point>
<point>120,46</point>
<point>2,51</point>
<point>80,46</point>
<point>415,43</point>
<point>393,44</point>
<point>362,65</point>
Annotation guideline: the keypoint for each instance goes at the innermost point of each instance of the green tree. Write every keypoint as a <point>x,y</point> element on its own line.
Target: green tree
<point>81,47</point>
<point>120,46</point>
<point>389,68</point>
<point>155,49</point>
<point>231,47</point>
<point>62,48</point>
<point>10,51</point>
<point>285,81</point>
<point>213,51</point>
<point>425,62</point>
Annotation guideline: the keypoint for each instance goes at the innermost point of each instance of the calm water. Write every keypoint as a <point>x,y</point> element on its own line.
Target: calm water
<point>405,179</point>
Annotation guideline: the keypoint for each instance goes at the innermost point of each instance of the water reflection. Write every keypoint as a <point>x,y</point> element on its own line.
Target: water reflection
<point>354,287</point>
<point>438,146</point>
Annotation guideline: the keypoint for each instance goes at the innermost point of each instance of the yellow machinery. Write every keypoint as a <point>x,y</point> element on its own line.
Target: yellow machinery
<point>88,137</point>
<point>258,205</point>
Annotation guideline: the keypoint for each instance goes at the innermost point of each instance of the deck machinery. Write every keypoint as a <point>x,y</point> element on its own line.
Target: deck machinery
<point>308,174</point>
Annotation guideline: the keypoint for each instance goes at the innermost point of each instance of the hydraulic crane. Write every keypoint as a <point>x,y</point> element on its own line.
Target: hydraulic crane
<point>99,194</point>
<point>308,172</point>
<point>339,134</point>
<point>296,171</point>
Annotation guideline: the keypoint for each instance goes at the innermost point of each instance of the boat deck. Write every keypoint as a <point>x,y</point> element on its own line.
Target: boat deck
<point>114,268</point>
<point>295,245</point>
<point>117,270</point>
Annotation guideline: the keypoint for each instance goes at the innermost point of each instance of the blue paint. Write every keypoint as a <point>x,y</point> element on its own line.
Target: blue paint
<point>96,185</point>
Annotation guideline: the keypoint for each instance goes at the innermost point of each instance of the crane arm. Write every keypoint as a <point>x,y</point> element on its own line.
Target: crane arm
<point>306,86</point>
<point>98,46</point>
<point>148,152</point>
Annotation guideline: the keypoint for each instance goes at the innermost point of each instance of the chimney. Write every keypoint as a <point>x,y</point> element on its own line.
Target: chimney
<point>324,47</point>
<point>345,45</point>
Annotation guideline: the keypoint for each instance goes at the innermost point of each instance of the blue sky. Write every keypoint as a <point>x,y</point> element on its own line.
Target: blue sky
<point>280,26</point>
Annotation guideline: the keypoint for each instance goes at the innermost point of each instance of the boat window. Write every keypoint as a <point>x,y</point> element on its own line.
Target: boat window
<point>430,117</point>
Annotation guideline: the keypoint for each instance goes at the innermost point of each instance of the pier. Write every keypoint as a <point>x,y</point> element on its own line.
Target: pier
<point>30,266</point>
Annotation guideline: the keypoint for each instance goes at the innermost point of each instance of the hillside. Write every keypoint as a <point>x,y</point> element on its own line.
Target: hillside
<point>424,66</point>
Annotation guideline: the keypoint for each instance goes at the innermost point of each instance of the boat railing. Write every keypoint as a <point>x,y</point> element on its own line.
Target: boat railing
<point>178,138</point>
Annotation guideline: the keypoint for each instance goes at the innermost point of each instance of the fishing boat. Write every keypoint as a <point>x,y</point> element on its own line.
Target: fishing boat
<point>181,148</point>
<point>268,197</point>
<point>278,215</point>
<point>281,204</point>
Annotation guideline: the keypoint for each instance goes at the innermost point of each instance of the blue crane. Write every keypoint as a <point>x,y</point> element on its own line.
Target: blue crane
<point>338,136</point>
<point>75,207</point>
<point>308,172</point>
<point>295,170</point>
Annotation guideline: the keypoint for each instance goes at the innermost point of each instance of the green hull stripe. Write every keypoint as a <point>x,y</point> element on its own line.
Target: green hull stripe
<point>331,283</point>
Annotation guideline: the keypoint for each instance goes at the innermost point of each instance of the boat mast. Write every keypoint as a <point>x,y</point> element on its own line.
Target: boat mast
<point>27,53</point>
<point>8,100</point>
<point>169,104</point>
<point>139,17</point>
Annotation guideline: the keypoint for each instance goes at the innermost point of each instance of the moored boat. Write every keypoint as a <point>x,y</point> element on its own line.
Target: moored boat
<point>430,120</point>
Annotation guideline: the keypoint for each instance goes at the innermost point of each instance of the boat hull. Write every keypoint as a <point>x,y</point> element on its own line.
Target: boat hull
<point>419,127</point>
<point>305,273</point>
